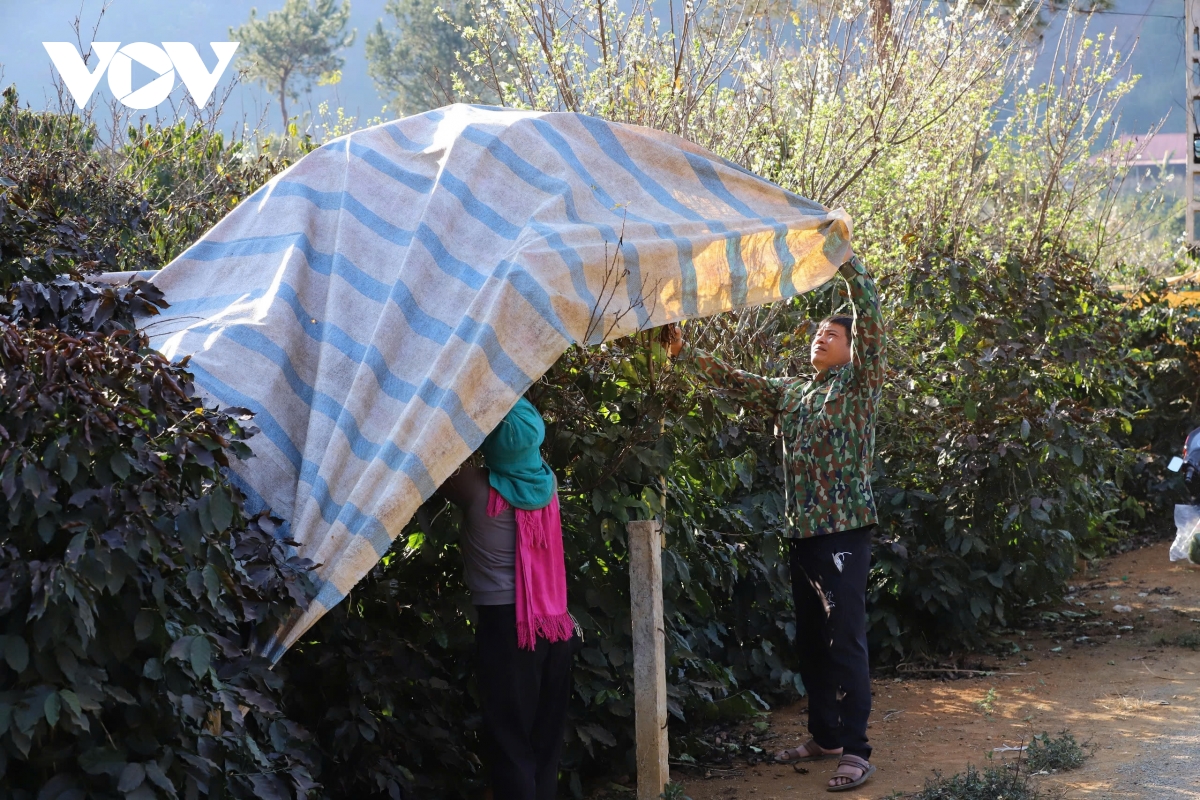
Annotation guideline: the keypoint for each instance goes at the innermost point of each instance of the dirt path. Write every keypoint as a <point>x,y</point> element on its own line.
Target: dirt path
<point>1136,698</point>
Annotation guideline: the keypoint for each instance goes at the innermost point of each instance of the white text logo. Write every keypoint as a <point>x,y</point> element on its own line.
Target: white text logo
<point>172,57</point>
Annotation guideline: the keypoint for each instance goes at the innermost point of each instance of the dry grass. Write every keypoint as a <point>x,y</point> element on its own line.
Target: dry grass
<point>1124,705</point>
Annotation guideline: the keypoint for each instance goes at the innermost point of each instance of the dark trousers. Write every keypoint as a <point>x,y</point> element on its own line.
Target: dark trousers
<point>524,695</point>
<point>829,585</point>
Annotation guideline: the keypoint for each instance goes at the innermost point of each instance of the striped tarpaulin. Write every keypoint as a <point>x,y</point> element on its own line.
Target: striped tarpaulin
<point>384,302</point>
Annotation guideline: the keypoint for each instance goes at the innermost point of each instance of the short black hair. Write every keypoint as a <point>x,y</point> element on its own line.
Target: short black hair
<point>846,322</point>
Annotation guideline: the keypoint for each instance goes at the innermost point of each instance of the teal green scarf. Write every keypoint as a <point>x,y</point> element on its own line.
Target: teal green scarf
<point>514,461</point>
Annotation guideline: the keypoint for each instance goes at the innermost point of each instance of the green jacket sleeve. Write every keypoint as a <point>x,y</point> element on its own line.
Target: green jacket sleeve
<point>868,350</point>
<point>752,391</point>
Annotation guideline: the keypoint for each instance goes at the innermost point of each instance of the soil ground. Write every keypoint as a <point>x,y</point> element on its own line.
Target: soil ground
<point>1127,680</point>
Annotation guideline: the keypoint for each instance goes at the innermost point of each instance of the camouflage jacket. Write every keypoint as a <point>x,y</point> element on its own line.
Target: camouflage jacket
<point>828,423</point>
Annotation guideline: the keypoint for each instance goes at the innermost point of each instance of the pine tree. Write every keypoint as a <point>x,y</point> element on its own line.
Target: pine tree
<point>292,46</point>
<point>414,64</point>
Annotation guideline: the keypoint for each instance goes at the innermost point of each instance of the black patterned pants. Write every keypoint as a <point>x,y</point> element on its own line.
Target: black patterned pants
<point>829,586</point>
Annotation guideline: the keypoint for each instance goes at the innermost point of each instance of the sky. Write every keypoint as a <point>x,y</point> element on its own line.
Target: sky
<point>1151,30</point>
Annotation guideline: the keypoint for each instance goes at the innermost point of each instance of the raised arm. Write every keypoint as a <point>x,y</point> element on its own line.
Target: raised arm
<point>466,486</point>
<point>868,325</point>
<point>752,391</point>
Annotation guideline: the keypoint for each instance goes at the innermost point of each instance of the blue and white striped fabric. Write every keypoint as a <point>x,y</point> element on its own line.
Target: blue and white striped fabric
<point>383,303</point>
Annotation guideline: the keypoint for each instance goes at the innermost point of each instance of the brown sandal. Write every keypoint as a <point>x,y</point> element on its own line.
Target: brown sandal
<point>845,769</point>
<point>809,751</point>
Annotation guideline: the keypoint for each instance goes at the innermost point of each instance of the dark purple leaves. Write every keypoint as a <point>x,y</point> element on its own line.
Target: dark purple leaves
<point>127,570</point>
<point>16,653</point>
<point>131,777</point>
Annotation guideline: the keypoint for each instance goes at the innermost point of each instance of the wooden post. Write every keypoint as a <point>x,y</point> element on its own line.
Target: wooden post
<point>649,656</point>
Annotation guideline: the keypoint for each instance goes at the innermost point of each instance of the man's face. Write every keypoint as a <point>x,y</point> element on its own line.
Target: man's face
<point>830,347</point>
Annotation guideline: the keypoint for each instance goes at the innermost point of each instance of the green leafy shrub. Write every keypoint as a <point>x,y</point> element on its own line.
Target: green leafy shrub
<point>1163,350</point>
<point>1001,453</point>
<point>61,207</point>
<point>1055,753</point>
<point>995,783</point>
<point>191,177</point>
<point>68,205</point>
<point>382,681</point>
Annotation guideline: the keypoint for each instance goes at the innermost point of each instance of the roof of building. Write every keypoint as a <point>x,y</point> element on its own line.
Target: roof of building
<point>1153,149</point>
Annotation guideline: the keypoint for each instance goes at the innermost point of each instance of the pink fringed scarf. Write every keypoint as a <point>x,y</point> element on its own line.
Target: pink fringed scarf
<point>541,573</point>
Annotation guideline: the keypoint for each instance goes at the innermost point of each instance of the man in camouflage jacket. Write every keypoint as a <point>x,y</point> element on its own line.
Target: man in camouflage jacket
<point>828,429</point>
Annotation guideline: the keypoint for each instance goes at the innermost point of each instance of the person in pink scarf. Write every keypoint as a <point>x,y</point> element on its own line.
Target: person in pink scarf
<point>513,553</point>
